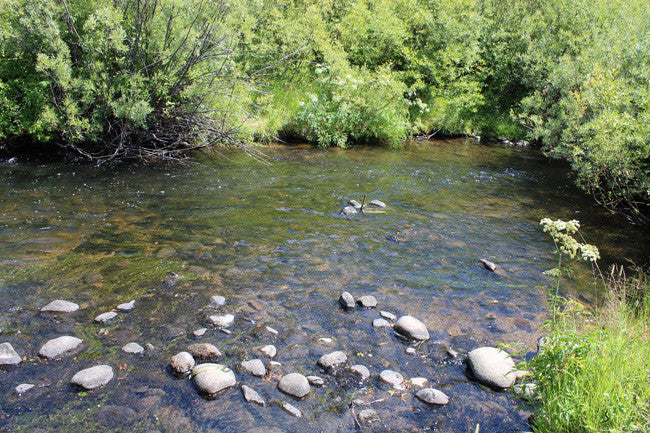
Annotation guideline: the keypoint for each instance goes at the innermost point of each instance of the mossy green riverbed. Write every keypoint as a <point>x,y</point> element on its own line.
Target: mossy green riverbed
<point>268,236</point>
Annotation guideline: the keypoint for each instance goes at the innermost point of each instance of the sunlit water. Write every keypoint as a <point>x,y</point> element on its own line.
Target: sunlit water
<point>268,236</point>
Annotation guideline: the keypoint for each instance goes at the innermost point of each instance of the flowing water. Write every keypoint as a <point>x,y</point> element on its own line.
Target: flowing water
<point>268,236</point>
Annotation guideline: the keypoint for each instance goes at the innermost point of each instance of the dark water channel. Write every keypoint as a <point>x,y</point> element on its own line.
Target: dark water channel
<point>268,237</point>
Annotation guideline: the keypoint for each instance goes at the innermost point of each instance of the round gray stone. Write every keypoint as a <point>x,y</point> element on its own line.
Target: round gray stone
<point>133,348</point>
<point>346,300</point>
<point>349,210</point>
<point>60,306</point>
<point>254,367</point>
<point>58,346</point>
<point>492,366</point>
<point>93,377</point>
<point>106,317</point>
<point>204,352</point>
<point>212,378</point>
<point>410,327</point>
<point>294,384</point>
<point>361,371</point>
<point>332,361</point>
<point>182,363</point>
<point>367,301</point>
<point>8,356</point>
<point>432,396</point>
<point>380,323</point>
<point>222,321</point>
<point>392,378</point>
<point>269,351</point>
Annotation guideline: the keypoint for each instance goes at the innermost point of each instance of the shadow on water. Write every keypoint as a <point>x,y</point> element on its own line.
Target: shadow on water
<point>270,239</point>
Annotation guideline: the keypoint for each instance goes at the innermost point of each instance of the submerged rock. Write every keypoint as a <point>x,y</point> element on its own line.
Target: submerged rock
<point>23,388</point>
<point>291,409</point>
<point>127,306</point>
<point>332,361</point>
<point>488,265</point>
<point>376,204</point>
<point>251,396</point>
<point>269,351</point>
<point>204,352</point>
<point>410,327</point>
<point>432,396</point>
<point>368,416</point>
<point>254,367</point>
<point>105,317</point>
<point>294,384</point>
<point>316,380</point>
<point>361,371</point>
<point>212,378</point>
<point>93,377</point>
<point>388,315</point>
<point>217,300</point>
<point>349,210</point>
<point>182,363</point>
<point>199,332</point>
<point>222,321</point>
<point>367,301</point>
<point>492,366</point>
<point>58,346</point>
<point>392,378</point>
<point>60,306</point>
<point>133,348</point>
<point>380,323</point>
<point>8,356</point>
<point>355,204</point>
<point>419,381</point>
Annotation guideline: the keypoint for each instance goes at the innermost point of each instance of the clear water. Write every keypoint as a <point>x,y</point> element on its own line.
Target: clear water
<point>268,236</point>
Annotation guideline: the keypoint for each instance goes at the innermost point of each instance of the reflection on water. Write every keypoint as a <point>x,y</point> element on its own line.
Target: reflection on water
<point>270,239</point>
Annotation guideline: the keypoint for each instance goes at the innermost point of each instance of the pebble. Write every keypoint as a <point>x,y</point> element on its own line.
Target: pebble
<point>105,317</point>
<point>291,409</point>
<point>388,315</point>
<point>355,204</point>
<point>222,321</point>
<point>316,380</point>
<point>392,378</point>
<point>346,300</point>
<point>362,371</point>
<point>204,352</point>
<point>58,346</point>
<point>127,306</point>
<point>23,387</point>
<point>367,301</point>
<point>60,306</point>
<point>333,360</point>
<point>488,265</point>
<point>212,378</point>
<point>432,396</point>
<point>349,210</point>
<point>93,377</point>
<point>419,381</point>
<point>133,348</point>
<point>410,350</point>
<point>254,367</point>
<point>368,416</point>
<point>8,356</point>
<point>294,384</point>
<point>492,366</point>
<point>217,300</point>
<point>269,351</point>
<point>326,340</point>
<point>377,204</point>
<point>271,330</point>
<point>199,332</point>
<point>251,396</point>
<point>380,323</point>
<point>410,327</point>
<point>182,363</point>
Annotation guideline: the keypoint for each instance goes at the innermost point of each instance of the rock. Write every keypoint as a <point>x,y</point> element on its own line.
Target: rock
<point>419,381</point>
<point>271,330</point>
<point>199,332</point>
<point>217,300</point>
<point>361,371</point>
<point>212,378</point>
<point>488,265</point>
<point>60,306</point>
<point>166,253</point>
<point>23,388</point>
<point>355,204</point>
<point>149,346</point>
<point>492,366</point>
<point>222,321</point>
<point>367,301</point>
<point>333,360</point>
<point>254,367</point>
<point>133,348</point>
<point>58,346</point>
<point>251,396</point>
<point>410,327</point>
<point>127,306</point>
<point>380,323</point>
<point>367,416</point>
<point>8,356</point>
<point>410,350</point>
<point>182,363</point>
<point>349,210</point>
<point>392,378</point>
<point>291,409</point>
<point>316,380</point>
<point>204,352</point>
<point>105,317</point>
<point>376,204</point>
<point>275,368</point>
<point>388,315</point>
<point>347,301</point>
<point>452,353</point>
<point>432,396</point>
<point>93,377</point>
<point>269,351</point>
<point>294,384</point>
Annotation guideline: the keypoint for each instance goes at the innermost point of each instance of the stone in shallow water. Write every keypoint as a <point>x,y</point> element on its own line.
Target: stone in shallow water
<point>349,210</point>
<point>93,377</point>
<point>367,301</point>
<point>212,378</point>
<point>127,306</point>
<point>271,330</point>
<point>419,381</point>
<point>8,356</point>
<point>58,346</point>
<point>133,348</point>
<point>376,204</point>
<point>333,360</point>
<point>291,409</point>
<point>410,327</point>
<point>347,301</point>
<point>488,265</point>
<point>105,317</point>
<point>410,350</point>
<point>294,384</point>
<point>60,306</point>
<point>355,204</point>
<point>217,300</point>
<point>182,363</point>
<point>380,323</point>
<point>361,371</point>
<point>204,352</point>
<point>392,378</point>
<point>432,396</point>
<point>269,351</point>
<point>367,416</point>
<point>388,315</point>
<point>23,387</point>
<point>199,332</point>
<point>251,396</point>
<point>316,380</point>
<point>254,367</point>
<point>222,321</point>
<point>492,366</point>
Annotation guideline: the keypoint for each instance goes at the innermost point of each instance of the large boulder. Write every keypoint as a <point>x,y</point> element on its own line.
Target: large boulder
<point>410,327</point>
<point>211,378</point>
<point>492,366</point>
